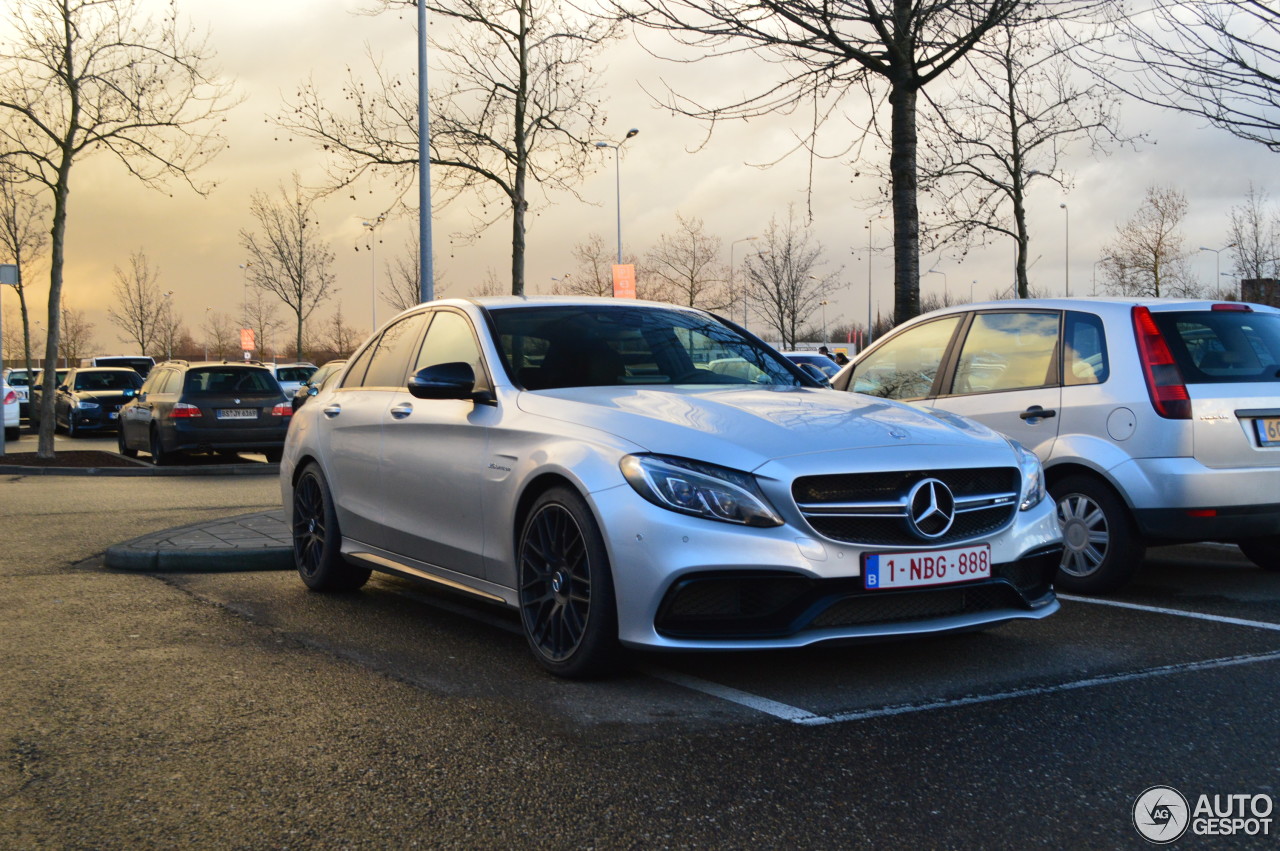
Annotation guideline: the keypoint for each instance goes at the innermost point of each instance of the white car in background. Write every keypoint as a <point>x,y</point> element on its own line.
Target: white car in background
<point>11,421</point>
<point>291,375</point>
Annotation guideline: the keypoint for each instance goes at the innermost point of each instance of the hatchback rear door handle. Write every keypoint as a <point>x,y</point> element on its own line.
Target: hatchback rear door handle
<point>1035,412</point>
<point>331,411</point>
<point>401,411</point>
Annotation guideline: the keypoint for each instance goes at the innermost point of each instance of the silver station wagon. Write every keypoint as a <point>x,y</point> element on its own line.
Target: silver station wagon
<point>1158,420</point>
<point>580,461</point>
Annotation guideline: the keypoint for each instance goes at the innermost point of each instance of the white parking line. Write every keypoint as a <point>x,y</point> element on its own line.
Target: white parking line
<point>1275,627</point>
<point>808,719</point>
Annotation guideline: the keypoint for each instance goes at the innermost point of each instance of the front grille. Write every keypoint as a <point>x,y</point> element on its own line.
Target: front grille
<point>871,508</point>
<point>913,605</point>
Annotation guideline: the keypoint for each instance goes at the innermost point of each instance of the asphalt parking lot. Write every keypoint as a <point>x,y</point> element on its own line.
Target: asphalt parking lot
<point>1037,734</point>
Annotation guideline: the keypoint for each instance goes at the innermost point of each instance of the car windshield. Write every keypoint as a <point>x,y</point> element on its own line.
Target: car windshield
<point>228,380</point>
<point>93,381</point>
<point>598,345</point>
<point>1223,346</point>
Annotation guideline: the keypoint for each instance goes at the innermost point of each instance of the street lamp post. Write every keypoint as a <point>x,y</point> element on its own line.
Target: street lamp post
<point>1217,261</point>
<point>1066,248</point>
<point>617,179</point>
<point>824,320</point>
<point>206,332</point>
<point>244,299</point>
<point>373,267</point>
<point>731,272</point>
<point>946,290</point>
<point>1096,264</point>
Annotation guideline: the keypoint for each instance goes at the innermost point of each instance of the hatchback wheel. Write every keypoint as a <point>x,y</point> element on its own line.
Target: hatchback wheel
<point>1102,547</point>
<point>122,446</point>
<point>317,540</point>
<point>1264,552</point>
<point>567,603</point>
<point>72,431</point>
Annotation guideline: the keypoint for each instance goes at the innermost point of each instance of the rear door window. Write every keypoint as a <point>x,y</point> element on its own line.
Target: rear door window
<point>1085,351</point>
<point>390,364</point>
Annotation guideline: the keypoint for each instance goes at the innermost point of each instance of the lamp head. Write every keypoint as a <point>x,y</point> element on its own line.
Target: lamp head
<point>633,131</point>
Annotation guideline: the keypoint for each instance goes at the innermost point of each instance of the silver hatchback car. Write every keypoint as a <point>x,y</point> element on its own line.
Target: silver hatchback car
<point>583,462</point>
<point>1158,420</point>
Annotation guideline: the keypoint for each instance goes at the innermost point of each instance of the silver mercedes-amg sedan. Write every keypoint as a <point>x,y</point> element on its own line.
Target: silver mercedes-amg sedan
<point>638,475</point>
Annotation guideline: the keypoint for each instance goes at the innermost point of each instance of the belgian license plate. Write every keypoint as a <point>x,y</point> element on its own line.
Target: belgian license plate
<point>1269,431</point>
<point>936,567</point>
<point>237,413</point>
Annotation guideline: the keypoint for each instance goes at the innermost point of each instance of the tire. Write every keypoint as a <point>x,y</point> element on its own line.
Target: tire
<point>158,456</point>
<point>1264,552</point>
<point>273,456</point>
<point>72,431</point>
<point>12,433</point>
<point>1103,549</point>
<point>123,447</point>
<point>317,539</point>
<point>567,605</point>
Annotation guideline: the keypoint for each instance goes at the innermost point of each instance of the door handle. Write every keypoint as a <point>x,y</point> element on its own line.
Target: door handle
<point>1035,412</point>
<point>331,411</point>
<point>401,411</point>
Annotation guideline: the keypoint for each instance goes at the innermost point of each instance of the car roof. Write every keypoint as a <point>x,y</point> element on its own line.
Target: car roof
<point>1103,305</point>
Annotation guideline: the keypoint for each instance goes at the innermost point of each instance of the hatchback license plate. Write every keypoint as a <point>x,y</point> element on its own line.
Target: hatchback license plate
<point>237,413</point>
<point>938,567</point>
<point>1269,431</point>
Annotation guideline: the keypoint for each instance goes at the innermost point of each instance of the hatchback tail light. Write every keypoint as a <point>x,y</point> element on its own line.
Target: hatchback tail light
<point>1164,380</point>
<point>283,409</point>
<point>10,397</point>
<point>182,410</point>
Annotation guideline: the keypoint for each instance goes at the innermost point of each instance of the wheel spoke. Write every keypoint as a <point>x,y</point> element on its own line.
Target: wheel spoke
<point>554,552</point>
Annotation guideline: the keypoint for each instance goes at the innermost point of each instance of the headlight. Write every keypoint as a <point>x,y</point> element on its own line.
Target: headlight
<point>702,490</point>
<point>83,405</point>
<point>1032,477</point>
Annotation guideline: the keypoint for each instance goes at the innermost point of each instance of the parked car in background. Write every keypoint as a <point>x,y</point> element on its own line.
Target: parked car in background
<point>9,398</point>
<point>824,365</point>
<point>19,380</point>
<point>90,399</point>
<point>206,407</point>
<point>291,375</point>
<point>1158,420</point>
<point>140,364</point>
<point>317,379</point>
<point>35,389</point>
<point>583,462</point>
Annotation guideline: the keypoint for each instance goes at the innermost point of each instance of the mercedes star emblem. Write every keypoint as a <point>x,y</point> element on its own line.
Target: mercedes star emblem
<point>931,508</point>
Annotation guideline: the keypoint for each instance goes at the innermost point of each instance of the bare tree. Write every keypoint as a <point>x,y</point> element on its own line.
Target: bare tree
<point>23,236</point>
<point>683,268</point>
<point>85,76</point>
<point>76,339</point>
<point>261,318</point>
<point>1015,109</point>
<point>139,304</point>
<point>1147,257</point>
<point>340,337</point>
<point>221,338</point>
<point>593,276</point>
<point>288,258</point>
<point>404,278</point>
<point>1215,59</point>
<point>783,288</point>
<point>826,49</point>
<point>1255,237</point>
<point>520,108</point>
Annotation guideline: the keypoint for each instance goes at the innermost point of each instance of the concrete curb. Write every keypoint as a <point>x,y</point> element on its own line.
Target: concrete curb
<point>255,541</point>
<point>143,470</point>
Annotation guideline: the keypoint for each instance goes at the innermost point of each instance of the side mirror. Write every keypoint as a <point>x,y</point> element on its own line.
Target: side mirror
<point>444,381</point>
<point>313,390</point>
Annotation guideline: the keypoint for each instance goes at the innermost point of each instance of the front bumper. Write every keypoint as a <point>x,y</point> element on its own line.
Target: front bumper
<point>94,419</point>
<point>684,583</point>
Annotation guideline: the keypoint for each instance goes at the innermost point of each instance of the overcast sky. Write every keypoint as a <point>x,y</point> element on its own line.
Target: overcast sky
<point>268,47</point>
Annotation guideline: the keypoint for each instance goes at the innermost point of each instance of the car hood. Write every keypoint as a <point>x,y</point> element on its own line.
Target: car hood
<point>745,428</point>
<point>105,396</point>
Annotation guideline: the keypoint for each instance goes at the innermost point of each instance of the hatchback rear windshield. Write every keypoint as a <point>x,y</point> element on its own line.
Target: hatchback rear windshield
<point>1223,346</point>
<point>295,373</point>
<point>229,380</point>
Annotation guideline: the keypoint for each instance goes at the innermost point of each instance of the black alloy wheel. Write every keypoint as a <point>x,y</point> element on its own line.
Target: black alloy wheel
<point>158,456</point>
<point>72,431</point>
<point>567,606</point>
<point>121,445</point>
<point>317,540</point>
